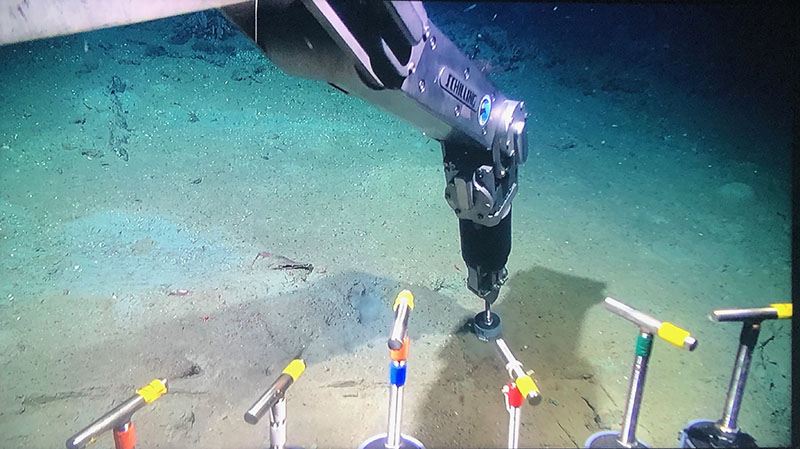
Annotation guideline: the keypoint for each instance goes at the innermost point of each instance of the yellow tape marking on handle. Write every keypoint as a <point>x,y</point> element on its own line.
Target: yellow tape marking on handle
<point>407,295</point>
<point>784,310</point>
<point>152,391</point>
<point>525,384</point>
<point>295,368</point>
<point>672,334</point>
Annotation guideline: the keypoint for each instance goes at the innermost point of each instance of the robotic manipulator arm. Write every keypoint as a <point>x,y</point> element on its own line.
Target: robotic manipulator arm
<point>390,54</point>
<point>385,52</point>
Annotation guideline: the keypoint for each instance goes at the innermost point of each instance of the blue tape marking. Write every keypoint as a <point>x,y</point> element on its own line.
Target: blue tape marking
<point>397,374</point>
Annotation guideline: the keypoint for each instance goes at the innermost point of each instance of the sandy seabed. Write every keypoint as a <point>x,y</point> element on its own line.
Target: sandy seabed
<point>174,176</point>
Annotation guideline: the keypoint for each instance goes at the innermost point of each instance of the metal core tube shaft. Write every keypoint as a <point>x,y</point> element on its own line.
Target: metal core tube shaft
<point>733,402</point>
<point>513,427</point>
<point>395,417</point>
<point>633,404</point>
<point>277,424</point>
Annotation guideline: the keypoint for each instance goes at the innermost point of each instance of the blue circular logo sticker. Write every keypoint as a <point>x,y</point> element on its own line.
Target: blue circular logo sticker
<point>484,110</point>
